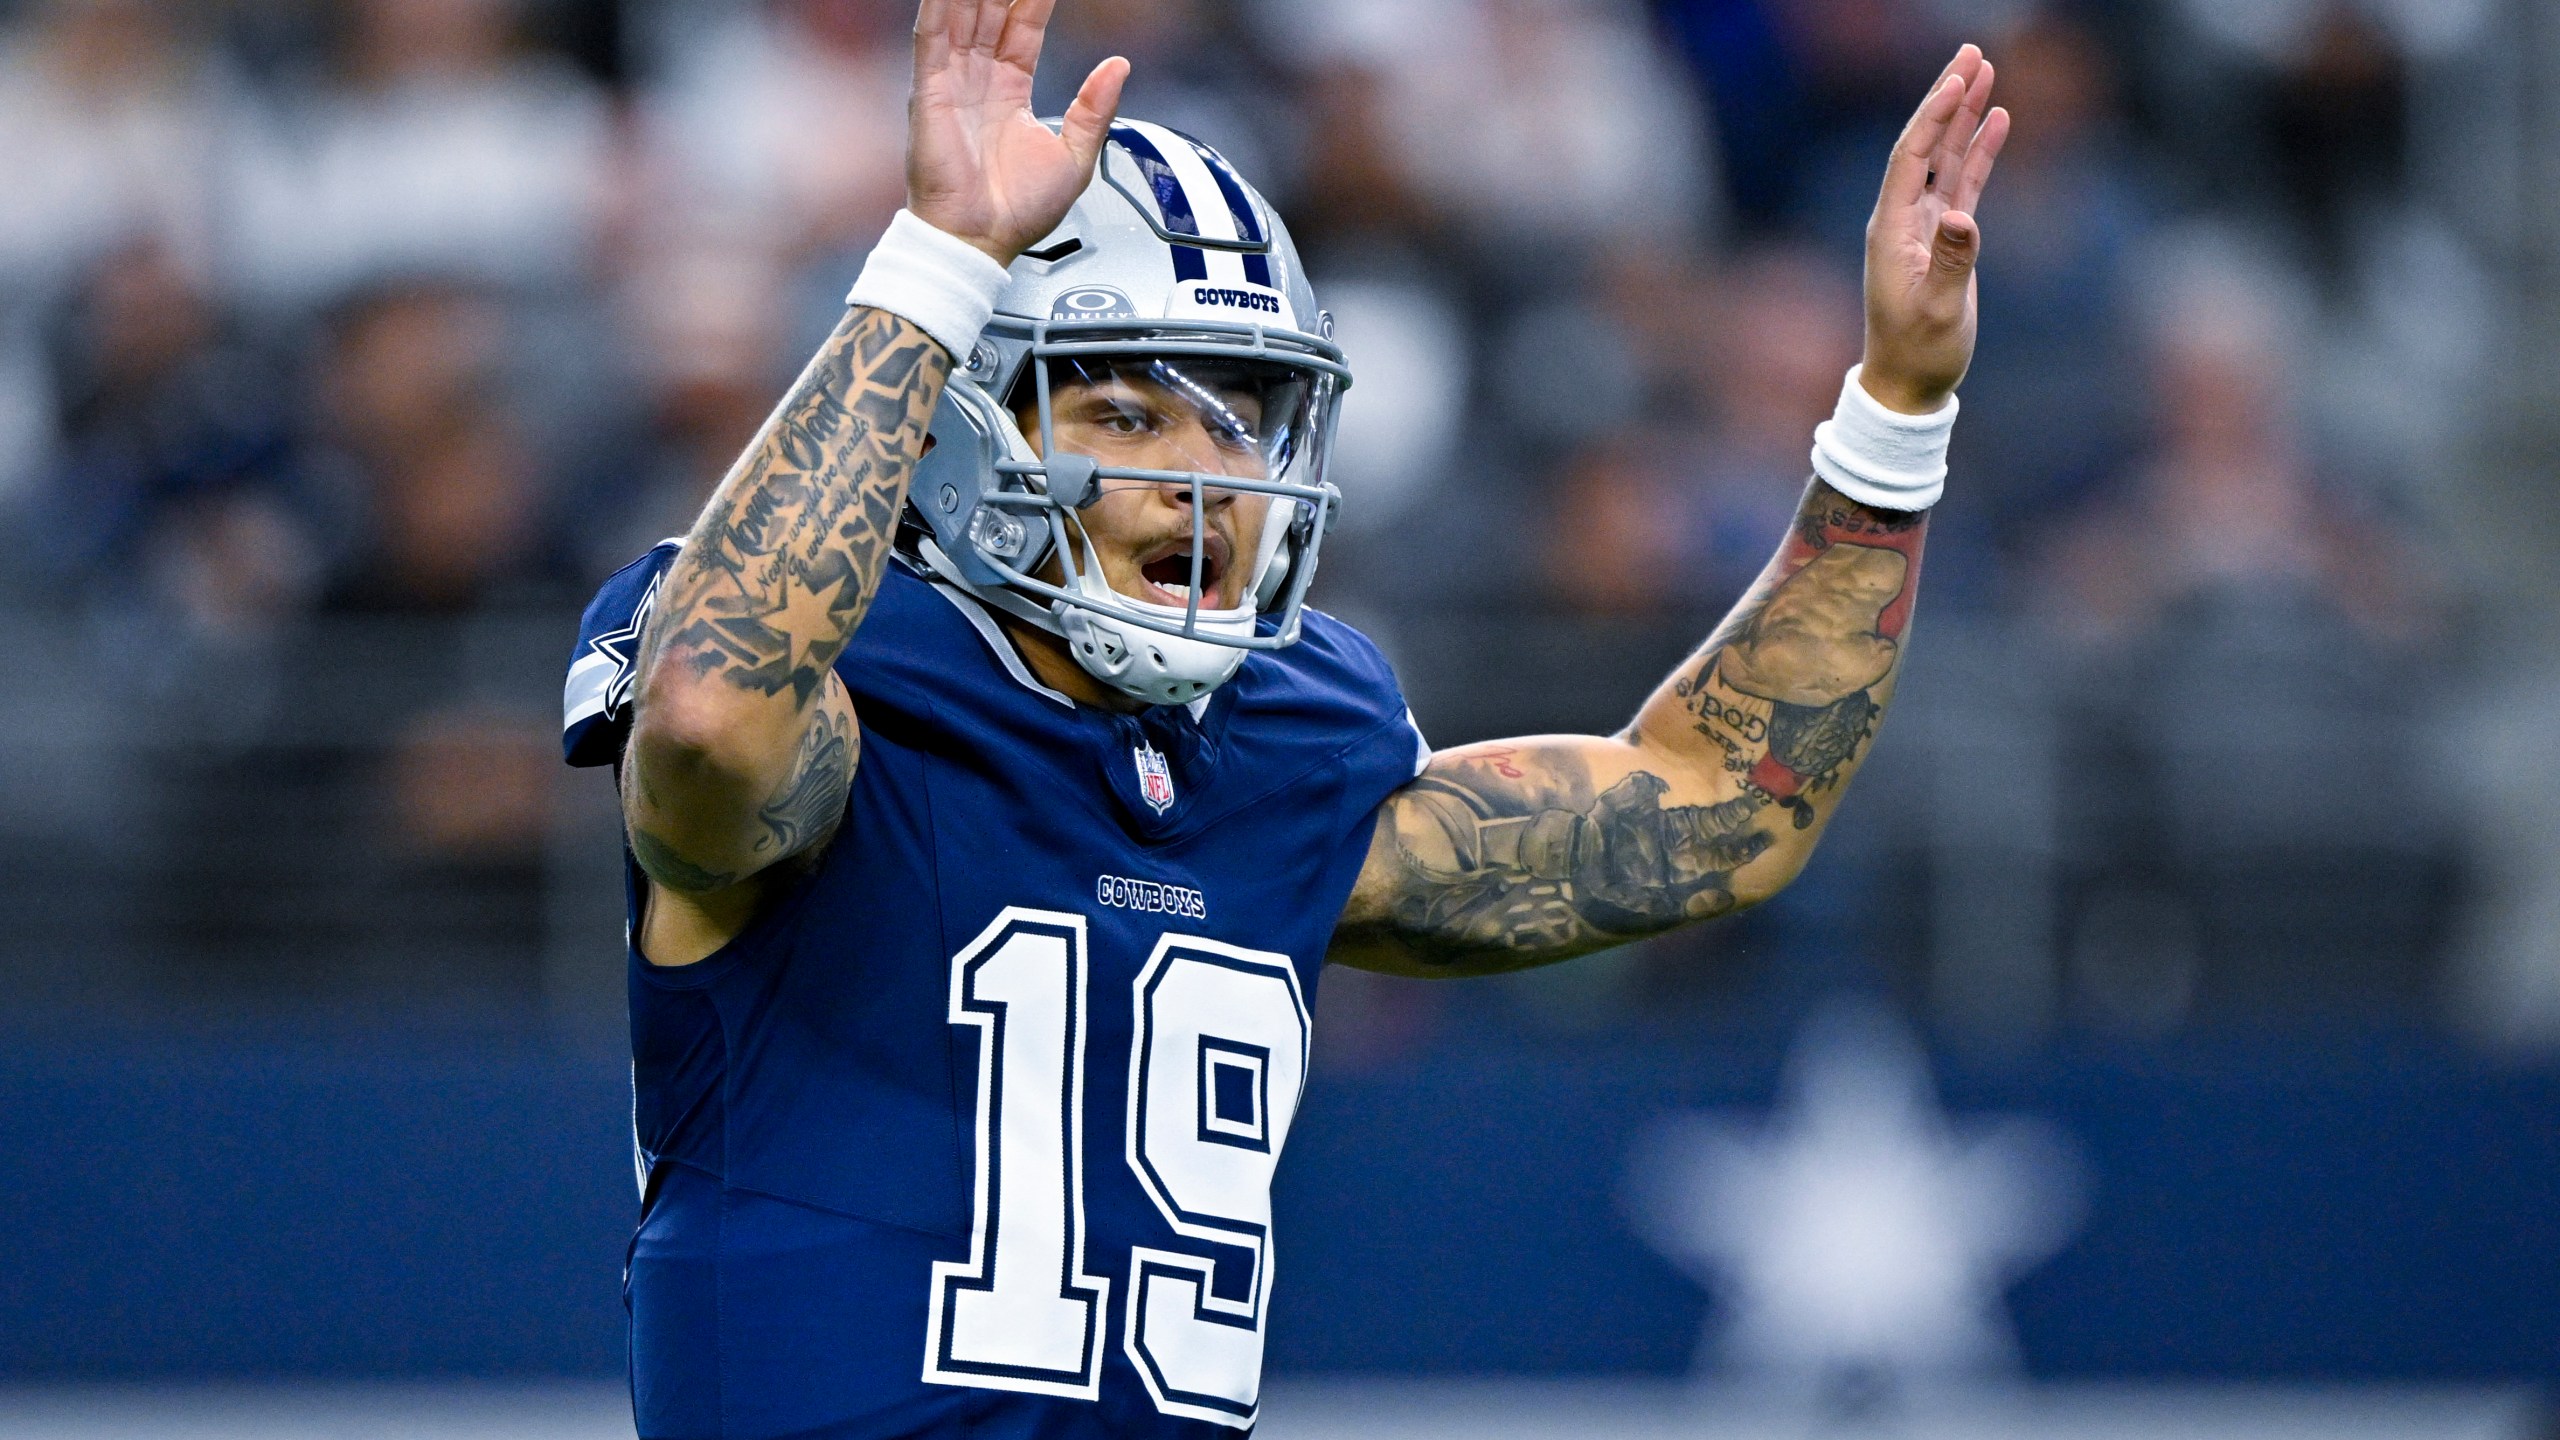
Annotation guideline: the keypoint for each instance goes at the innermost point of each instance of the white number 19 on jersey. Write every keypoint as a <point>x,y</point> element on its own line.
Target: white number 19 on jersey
<point>1216,1065</point>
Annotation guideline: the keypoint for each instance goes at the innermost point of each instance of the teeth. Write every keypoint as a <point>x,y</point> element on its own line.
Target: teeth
<point>1178,592</point>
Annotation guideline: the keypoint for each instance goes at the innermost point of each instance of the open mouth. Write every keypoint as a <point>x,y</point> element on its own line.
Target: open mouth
<point>1166,571</point>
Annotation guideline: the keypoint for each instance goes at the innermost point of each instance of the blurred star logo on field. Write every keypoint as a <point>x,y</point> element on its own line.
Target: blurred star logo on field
<point>1857,1241</point>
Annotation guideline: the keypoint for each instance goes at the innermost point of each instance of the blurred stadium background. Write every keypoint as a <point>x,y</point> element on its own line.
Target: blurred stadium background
<point>2167,1042</point>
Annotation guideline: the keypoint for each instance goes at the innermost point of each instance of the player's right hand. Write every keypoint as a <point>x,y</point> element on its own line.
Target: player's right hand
<point>1924,238</point>
<point>980,165</point>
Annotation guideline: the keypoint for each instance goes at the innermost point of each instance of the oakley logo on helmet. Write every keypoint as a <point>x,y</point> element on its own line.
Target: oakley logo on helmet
<point>1093,302</point>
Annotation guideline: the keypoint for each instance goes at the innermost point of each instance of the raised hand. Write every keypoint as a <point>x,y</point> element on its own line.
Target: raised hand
<point>1923,241</point>
<point>980,165</point>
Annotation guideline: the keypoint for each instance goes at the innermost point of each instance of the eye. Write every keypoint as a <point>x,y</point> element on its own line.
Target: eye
<point>1234,428</point>
<point>1121,420</point>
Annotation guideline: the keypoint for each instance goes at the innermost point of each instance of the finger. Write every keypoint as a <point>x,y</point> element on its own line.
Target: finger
<point>1978,162</point>
<point>1947,162</point>
<point>1962,64</point>
<point>981,22</point>
<point>1953,250</point>
<point>1025,28</point>
<point>933,35</point>
<point>1907,174</point>
<point>1088,120</point>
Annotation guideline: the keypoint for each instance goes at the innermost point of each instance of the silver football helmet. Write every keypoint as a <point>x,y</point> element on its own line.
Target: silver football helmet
<point>1172,275</point>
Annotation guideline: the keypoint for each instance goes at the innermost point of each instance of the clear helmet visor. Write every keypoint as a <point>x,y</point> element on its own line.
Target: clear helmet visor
<point>1234,417</point>
<point>1157,527</point>
<point>1154,494</point>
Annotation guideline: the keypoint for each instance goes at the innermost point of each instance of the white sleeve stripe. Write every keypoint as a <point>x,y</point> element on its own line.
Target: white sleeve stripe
<point>1421,744</point>
<point>590,684</point>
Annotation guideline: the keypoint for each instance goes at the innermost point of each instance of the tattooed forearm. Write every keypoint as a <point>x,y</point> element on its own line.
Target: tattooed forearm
<point>1788,693</point>
<point>811,802</point>
<point>743,741</point>
<point>1498,866</point>
<point>1506,856</point>
<point>780,568</point>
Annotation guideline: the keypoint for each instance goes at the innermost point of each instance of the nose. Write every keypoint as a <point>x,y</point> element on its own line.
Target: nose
<point>1180,493</point>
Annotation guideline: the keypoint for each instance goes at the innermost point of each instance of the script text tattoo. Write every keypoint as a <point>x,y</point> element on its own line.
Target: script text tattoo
<point>781,569</point>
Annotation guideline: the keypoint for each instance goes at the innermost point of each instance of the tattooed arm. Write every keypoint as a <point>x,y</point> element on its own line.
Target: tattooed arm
<point>1530,851</point>
<point>744,740</point>
<point>1526,852</point>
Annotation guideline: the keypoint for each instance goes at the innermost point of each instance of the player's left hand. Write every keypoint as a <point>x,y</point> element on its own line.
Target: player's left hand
<point>1923,240</point>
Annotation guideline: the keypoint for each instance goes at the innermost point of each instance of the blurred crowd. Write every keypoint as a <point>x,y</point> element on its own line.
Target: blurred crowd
<point>432,312</point>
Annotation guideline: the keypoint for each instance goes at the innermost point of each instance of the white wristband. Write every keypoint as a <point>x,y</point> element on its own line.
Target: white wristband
<point>946,285</point>
<point>1883,457</point>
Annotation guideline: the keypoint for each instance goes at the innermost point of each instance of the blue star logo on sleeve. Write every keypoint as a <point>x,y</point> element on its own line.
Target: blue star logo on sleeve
<point>602,682</point>
<point>596,702</point>
<point>622,647</point>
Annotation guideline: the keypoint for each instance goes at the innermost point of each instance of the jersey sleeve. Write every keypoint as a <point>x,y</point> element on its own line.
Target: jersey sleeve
<point>1392,750</point>
<point>1404,751</point>
<point>595,706</point>
<point>1421,744</point>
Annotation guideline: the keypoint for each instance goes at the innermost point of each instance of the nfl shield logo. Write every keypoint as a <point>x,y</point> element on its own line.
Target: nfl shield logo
<point>1155,778</point>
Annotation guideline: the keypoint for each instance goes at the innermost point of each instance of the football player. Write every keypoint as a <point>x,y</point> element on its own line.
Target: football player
<point>994,800</point>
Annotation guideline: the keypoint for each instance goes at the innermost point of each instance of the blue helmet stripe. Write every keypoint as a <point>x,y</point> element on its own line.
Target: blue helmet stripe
<point>1248,225</point>
<point>1180,208</point>
<point>1170,197</point>
<point>1257,267</point>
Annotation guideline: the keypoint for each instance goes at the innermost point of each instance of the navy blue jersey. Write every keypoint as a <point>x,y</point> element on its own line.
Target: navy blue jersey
<point>971,1131</point>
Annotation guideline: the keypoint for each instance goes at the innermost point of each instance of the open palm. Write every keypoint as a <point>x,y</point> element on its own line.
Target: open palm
<point>980,165</point>
<point>1923,241</point>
